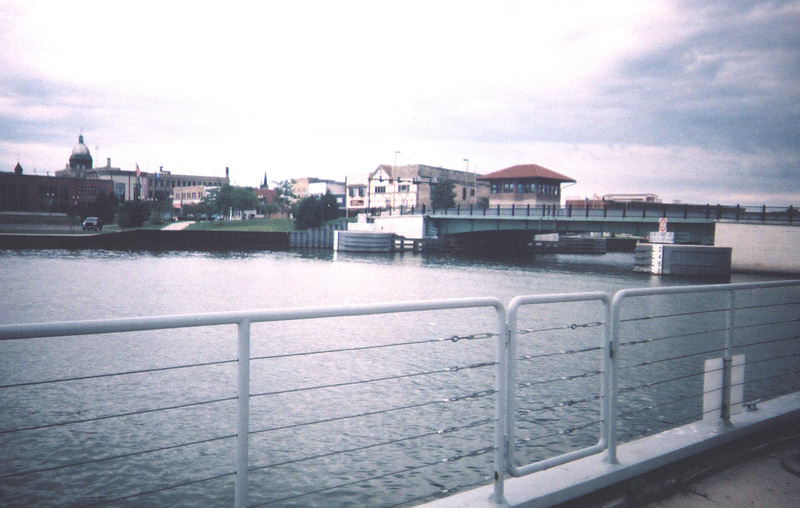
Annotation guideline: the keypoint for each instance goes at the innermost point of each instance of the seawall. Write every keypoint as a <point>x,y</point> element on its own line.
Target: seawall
<point>771,248</point>
<point>144,239</point>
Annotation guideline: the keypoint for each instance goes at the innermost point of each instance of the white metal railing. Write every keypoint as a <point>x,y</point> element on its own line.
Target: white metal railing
<point>608,344</point>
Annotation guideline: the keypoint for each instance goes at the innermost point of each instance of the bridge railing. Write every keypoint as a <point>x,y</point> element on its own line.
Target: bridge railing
<point>570,375</point>
<point>632,211</point>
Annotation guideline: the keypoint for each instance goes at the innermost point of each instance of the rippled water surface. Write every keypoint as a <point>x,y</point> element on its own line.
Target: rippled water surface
<point>372,411</point>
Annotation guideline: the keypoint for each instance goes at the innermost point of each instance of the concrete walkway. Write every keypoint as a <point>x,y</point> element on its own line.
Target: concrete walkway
<point>177,226</point>
<point>763,479</point>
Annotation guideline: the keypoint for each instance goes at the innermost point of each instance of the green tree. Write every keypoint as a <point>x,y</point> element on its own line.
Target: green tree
<point>235,199</point>
<point>309,213</point>
<point>330,208</point>
<point>132,214</point>
<point>443,194</point>
<point>105,206</point>
<point>285,193</point>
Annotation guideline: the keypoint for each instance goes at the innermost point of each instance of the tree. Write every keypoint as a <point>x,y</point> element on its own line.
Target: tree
<point>309,213</point>
<point>234,199</point>
<point>443,194</point>
<point>285,193</point>
<point>105,206</point>
<point>330,208</point>
<point>132,214</point>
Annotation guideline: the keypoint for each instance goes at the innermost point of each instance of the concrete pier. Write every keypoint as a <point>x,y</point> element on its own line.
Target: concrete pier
<point>687,260</point>
<point>767,248</point>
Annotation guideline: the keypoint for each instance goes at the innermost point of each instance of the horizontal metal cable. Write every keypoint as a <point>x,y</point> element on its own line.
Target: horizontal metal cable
<point>590,373</point>
<point>438,432</point>
<point>120,415</point>
<point>663,404</point>
<point>766,342</point>
<point>476,395</point>
<point>115,457</point>
<point>768,323</point>
<point>474,453</point>
<point>768,378</point>
<point>558,353</point>
<point>678,314</point>
<point>563,432</point>
<point>375,380</point>
<point>680,357</point>
<point>772,359</point>
<point>663,381</point>
<point>114,374</point>
<point>668,337</point>
<point>162,489</point>
<point>567,403</point>
<point>573,326</point>
<point>766,305</point>
<point>454,338</point>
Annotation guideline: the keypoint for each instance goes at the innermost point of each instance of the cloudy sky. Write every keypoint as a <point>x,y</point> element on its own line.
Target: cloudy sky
<point>697,101</point>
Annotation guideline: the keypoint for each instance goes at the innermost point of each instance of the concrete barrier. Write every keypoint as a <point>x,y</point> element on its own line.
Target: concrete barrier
<point>767,248</point>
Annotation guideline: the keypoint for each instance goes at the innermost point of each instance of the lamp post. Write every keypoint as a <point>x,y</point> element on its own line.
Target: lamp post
<point>466,181</point>
<point>394,177</point>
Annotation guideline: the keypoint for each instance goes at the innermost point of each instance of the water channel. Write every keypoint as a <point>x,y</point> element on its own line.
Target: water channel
<point>393,430</point>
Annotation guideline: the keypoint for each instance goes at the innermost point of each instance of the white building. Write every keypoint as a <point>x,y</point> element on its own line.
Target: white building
<point>405,187</point>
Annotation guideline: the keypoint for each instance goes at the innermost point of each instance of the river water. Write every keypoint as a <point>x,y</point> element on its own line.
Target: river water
<point>371,411</point>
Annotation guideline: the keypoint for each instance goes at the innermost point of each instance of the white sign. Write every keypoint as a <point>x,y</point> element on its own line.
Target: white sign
<point>662,225</point>
<point>657,260</point>
<point>661,237</point>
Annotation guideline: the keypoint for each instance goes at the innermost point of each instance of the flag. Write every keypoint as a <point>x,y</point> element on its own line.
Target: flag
<point>138,173</point>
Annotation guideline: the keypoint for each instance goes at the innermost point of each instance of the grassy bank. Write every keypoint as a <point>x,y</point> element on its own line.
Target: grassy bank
<point>280,225</point>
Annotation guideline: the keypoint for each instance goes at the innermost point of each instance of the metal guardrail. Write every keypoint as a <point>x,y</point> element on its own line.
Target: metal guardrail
<point>632,211</point>
<point>755,319</point>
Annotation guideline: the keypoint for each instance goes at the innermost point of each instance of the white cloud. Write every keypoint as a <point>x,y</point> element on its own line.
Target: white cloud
<point>643,93</point>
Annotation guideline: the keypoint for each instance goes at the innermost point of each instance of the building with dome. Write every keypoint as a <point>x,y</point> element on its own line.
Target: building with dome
<point>81,158</point>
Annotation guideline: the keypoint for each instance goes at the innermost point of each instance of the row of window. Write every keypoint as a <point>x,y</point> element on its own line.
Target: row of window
<point>183,183</point>
<point>512,187</point>
<point>379,189</point>
<point>186,195</point>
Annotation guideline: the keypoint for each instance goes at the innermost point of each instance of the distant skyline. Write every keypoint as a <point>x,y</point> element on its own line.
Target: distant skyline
<point>696,101</point>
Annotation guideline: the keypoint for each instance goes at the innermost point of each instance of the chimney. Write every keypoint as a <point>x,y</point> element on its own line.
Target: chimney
<point>227,173</point>
<point>108,162</point>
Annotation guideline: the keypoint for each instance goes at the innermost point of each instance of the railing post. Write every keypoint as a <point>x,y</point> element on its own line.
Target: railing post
<point>243,415</point>
<point>764,213</point>
<point>512,209</point>
<point>612,380</point>
<point>727,360</point>
<point>502,414</point>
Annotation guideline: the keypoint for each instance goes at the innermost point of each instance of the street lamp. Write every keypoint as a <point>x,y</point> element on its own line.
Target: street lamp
<point>394,176</point>
<point>466,180</point>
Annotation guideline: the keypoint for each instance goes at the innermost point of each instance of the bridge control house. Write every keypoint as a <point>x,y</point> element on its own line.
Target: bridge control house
<point>525,184</point>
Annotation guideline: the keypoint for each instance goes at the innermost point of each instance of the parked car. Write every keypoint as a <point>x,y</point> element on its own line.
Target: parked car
<point>92,223</point>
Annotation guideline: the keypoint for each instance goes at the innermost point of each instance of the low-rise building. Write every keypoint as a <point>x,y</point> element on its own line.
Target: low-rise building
<point>525,184</point>
<point>49,194</point>
<point>409,186</point>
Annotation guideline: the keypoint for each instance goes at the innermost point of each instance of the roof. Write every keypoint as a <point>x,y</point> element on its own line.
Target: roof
<point>526,171</point>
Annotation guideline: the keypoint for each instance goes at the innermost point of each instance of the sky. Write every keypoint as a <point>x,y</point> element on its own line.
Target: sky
<point>695,101</point>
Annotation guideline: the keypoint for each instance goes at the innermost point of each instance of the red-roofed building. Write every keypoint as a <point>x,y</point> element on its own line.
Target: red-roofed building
<point>525,184</point>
